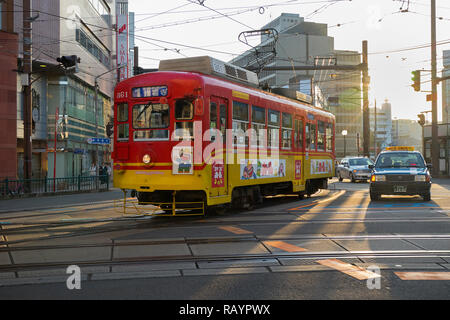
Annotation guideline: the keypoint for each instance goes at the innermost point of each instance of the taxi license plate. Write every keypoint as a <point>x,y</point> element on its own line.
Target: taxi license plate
<point>399,189</point>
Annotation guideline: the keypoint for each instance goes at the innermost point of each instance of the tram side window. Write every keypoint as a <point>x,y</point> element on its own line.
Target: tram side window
<point>329,134</point>
<point>122,116</point>
<point>310,136</point>
<point>273,129</point>
<point>184,110</point>
<point>320,135</point>
<point>240,123</point>
<point>298,136</point>
<point>286,131</point>
<point>213,120</point>
<point>258,126</point>
<point>223,121</point>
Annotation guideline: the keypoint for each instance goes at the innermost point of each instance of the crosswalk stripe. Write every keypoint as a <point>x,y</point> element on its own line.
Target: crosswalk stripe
<point>349,269</point>
<point>285,246</point>
<point>235,230</point>
<point>423,275</point>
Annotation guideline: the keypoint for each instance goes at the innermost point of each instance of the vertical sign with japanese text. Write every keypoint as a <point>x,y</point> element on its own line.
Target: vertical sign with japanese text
<point>218,172</point>
<point>122,44</point>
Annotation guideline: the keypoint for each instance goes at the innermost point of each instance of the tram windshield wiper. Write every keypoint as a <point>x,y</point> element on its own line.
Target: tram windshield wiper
<point>146,106</point>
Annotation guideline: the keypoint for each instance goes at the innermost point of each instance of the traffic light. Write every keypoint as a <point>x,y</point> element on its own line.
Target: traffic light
<point>416,80</point>
<point>69,62</point>
<point>421,120</point>
<point>109,130</point>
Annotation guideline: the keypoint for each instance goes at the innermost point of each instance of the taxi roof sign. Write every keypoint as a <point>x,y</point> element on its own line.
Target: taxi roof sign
<point>400,148</point>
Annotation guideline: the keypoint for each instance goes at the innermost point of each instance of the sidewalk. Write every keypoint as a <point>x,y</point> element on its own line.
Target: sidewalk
<point>444,182</point>
<point>58,201</point>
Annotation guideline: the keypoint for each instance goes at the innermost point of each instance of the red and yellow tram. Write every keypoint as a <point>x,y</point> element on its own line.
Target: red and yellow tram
<point>183,137</point>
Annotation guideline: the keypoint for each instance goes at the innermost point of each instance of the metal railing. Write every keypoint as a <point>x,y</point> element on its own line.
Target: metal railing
<point>10,188</point>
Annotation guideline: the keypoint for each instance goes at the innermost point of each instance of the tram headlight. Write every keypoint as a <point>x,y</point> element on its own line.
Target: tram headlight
<point>146,159</point>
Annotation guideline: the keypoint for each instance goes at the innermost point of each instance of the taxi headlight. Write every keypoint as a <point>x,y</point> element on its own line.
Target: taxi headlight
<point>421,178</point>
<point>379,177</point>
<point>146,159</point>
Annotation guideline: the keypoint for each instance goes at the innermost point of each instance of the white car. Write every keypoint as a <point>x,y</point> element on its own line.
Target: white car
<point>354,169</point>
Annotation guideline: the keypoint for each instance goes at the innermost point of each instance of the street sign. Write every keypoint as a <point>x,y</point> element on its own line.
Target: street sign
<point>98,140</point>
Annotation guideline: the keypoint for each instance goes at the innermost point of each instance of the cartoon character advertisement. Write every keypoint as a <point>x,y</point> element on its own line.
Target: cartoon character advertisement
<point>260,169</point>
<point>218,172</point>
<point>182,158</point>
<point>321,166</point>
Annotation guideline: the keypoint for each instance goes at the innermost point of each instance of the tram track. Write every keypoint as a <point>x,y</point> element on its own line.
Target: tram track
<point>420,252</point>
<point>82,228</point>
<point>307,257</point>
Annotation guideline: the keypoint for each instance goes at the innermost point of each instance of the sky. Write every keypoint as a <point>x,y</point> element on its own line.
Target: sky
<point>173,29</point>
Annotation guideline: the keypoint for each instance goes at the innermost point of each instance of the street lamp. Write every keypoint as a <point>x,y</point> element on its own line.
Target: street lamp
<point>344,133</point>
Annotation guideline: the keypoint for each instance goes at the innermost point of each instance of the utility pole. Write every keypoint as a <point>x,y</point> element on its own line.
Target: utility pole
<point>366,116</point>
<point>27,69</point>
<point>434,126</point>
<point>375,130</point>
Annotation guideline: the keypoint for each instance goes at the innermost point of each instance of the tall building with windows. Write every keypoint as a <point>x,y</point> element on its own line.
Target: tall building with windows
<point>303,43</point>
<point>407,132</point>
<point>343,90</point>
<point>298,43</point>
<point>381,130</point>
<point>64,101</point>
<point>8,91</point>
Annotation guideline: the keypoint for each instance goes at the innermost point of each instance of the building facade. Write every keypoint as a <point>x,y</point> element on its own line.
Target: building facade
<point>381,129</point>
<point>304,43</point>
<point>406,132</point>
<point>444,147</point>
<point>8,91</point>
<point>446,88</point>
<point>298,43</point>
<point>65,111</point>
<point>343,90</point>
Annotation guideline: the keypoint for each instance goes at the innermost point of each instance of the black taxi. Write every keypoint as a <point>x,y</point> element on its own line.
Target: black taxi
<point>400,171</point>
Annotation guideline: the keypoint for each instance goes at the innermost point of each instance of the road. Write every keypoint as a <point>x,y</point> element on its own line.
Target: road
<point>335,245</point>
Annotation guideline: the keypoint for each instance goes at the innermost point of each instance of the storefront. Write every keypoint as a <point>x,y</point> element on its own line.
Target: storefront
<point>444,147</point>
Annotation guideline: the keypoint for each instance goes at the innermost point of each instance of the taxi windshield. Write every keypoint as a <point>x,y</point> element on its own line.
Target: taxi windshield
<point>359,162</point>
<point>399,160</point>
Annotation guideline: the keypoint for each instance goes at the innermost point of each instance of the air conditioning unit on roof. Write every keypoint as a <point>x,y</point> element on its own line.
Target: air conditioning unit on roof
<point>211,66</point>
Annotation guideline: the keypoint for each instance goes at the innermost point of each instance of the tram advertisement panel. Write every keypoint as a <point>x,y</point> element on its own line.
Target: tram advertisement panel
<point>321,166</point>
<point>218,175</point>
<point>182,160</point>
<point>262,168</point>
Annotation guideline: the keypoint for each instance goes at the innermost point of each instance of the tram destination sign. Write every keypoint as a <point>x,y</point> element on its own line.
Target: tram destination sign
<point>98,140</point>
<point>148,92</point>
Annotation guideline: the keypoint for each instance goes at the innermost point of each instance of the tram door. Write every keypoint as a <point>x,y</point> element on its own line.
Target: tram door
<point>300,148</point>
<point>219,121</point>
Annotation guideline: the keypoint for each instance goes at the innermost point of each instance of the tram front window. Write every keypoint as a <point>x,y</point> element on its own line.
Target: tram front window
<point>151,116</point>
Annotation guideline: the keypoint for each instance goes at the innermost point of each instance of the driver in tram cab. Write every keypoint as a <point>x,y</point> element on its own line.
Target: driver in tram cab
<point>162,134</point>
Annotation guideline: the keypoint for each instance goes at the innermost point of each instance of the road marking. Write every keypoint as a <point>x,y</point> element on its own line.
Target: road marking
<point>349,269</point>
<point>235,230</point>
<point>315,202</point>
<point>285,246</point>
<point>423,275</point>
